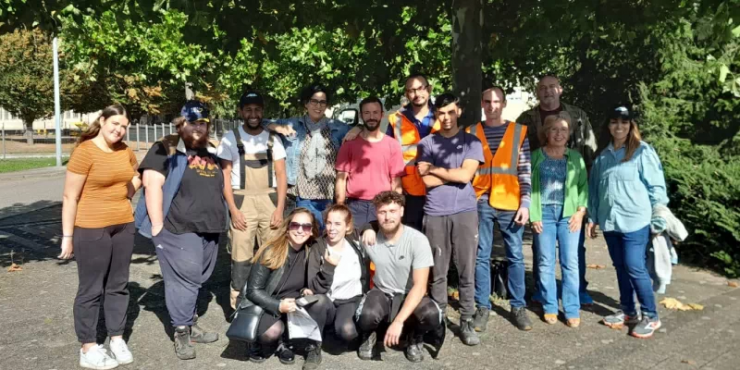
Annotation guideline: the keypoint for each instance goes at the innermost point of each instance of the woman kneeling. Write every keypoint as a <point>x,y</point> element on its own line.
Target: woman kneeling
<point>338,268</point>
<point>277,279</point>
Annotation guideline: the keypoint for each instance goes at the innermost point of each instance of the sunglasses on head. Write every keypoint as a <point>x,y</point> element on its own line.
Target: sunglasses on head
<point>293,226</point>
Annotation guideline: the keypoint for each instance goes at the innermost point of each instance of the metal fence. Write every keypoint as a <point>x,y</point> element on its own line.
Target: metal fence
<point>13,143</point>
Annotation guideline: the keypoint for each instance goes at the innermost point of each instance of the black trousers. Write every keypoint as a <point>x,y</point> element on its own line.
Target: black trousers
<point>342,314</point>
<point>413,213</point>
<point>319,312</point>
<point>377,309</point>
<point>103,258</point>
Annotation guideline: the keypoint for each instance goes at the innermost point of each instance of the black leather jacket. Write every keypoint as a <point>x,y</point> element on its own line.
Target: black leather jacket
<point>262,287</point>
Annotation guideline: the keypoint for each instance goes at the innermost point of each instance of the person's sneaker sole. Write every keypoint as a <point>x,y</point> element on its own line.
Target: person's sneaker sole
<point>89,366</point>
<point>125,362</point>
<point>615,326</point>
<point>86,366</point>
<point>646,336</point>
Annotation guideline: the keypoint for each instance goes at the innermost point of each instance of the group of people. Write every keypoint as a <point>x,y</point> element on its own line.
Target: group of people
<point>357,227</point>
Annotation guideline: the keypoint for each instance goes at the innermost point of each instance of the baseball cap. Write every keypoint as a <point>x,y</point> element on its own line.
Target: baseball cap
<point>251,97</point>
<point>194,110</point>
<point>622,112</point>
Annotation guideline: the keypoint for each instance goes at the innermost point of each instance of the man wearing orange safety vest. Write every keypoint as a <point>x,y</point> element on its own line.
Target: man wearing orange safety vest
<point>503,186</point>
<point>409,125</point>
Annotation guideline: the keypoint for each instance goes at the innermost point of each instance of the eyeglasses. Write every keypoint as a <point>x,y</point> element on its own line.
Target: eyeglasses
<point>417,90</point>
<point>294,226</point>
<point>321,103</point>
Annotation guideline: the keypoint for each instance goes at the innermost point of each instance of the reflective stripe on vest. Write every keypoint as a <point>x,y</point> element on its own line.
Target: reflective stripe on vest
<point>514,156</point>
<point>399,137</point>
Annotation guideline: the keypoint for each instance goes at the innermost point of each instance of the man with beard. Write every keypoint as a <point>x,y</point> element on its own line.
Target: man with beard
<point>402,258</point>
<point>408,126</point>
<point>447,162</point>
<point>251,152</point>
<point>368,165</point>
<point>582,139</point>
<point>183,211</point>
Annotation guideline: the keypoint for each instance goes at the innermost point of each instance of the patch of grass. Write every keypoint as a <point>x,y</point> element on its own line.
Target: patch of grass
<point>20,164</point>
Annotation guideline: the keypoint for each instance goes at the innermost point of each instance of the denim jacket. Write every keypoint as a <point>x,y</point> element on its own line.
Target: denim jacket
<point>293,144</point>
<point>622,195</point>
<point>178,162</point>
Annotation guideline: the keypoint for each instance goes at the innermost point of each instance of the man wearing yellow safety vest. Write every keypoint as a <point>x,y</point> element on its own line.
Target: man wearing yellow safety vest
<point>448,161</point>
<point>503,187</point>
<point>409,125</point>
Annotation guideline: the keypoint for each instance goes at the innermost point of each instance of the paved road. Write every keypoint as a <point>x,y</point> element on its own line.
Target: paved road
<point>36,330</point>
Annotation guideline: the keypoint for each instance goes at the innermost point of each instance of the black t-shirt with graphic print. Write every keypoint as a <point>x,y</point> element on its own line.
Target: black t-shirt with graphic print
<point>198,206</point>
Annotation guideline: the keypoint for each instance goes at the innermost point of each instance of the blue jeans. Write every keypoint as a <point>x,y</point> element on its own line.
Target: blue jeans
<point>316,206</point>
<point>512,234</point>
<point>583,284</point>
<point>627,251</point>
<point>555,228</point>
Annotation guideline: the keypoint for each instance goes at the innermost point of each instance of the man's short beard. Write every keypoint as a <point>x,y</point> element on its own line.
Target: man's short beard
<point>393,231</point>
<point>374,128</point>
<point>256,125</point>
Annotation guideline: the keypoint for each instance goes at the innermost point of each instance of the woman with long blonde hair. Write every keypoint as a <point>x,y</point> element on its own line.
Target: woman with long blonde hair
<point>277,279</point>
<point>98,229</point>
<point>626,183</point>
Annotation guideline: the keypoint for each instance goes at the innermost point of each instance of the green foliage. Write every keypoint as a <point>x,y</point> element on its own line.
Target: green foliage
<point>26,71</point>
<point>692,117</point>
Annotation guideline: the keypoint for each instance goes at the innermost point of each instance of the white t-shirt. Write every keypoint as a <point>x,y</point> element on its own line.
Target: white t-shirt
<point>347,274</point>
<point>252,145</point>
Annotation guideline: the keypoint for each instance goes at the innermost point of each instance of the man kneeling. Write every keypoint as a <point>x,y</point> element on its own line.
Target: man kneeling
<point>402,258</point>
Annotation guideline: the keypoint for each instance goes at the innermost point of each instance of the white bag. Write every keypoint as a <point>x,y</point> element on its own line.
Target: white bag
<point>301,325</point>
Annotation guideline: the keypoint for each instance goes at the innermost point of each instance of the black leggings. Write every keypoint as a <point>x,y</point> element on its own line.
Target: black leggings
<point>272,327</point>
<point>342,313</point>
<point>103,258</point>
<point>377,309</point>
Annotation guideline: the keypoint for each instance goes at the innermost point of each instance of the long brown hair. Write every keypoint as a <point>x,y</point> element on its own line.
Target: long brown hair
<point>94,128</point>
<point>275,252</point>
<point>633,139</point>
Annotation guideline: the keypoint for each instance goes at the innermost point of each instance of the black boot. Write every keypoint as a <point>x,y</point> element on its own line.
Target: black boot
<point>284,354</point>
<point>183,348</point>
<point>365,352</point>
<point>313,356</point>
<point>258,353</point>
<point>415,348</point>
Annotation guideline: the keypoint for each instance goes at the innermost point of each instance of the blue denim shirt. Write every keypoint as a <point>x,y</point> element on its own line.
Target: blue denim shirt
<point>622,194</point>
<point>294,143</point>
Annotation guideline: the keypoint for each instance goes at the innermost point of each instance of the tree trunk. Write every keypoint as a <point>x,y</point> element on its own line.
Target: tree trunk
<point>467,67</point>
<point>29,132</point>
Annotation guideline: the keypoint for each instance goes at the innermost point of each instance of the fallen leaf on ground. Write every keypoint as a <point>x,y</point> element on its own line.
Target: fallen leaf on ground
<point>689,362</point>
<point>675,304</point>
<point>13,268</point>
<point>596,267</point>
<point>732,284</point>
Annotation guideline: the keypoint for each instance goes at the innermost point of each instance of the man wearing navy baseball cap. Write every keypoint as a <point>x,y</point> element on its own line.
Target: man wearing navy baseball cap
<point>255,188</point>
<point>183,212</point>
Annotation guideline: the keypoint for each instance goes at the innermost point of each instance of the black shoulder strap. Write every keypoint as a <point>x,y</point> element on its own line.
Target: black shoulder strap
<point>242,163</point>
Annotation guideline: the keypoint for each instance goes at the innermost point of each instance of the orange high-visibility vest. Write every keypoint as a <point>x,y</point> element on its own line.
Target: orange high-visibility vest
<point>407,134</point>
<point>498,175</point>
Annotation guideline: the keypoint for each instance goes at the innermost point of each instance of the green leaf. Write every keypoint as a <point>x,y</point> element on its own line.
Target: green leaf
<point>736,31</point>
<point>723,72</point>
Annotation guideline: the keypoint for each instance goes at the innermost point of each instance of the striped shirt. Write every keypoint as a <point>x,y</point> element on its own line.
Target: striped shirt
<point>104,199</point>
<point>494,135</point>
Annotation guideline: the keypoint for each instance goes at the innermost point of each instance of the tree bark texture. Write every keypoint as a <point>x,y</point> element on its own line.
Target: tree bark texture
<point>467,29</point>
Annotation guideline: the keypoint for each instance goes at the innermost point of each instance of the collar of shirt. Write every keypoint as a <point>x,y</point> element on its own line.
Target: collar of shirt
<point>425,122</point>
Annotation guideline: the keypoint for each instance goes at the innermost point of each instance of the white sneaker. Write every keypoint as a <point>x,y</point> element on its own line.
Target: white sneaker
<point>97,358</point>
<point>120,351</point>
